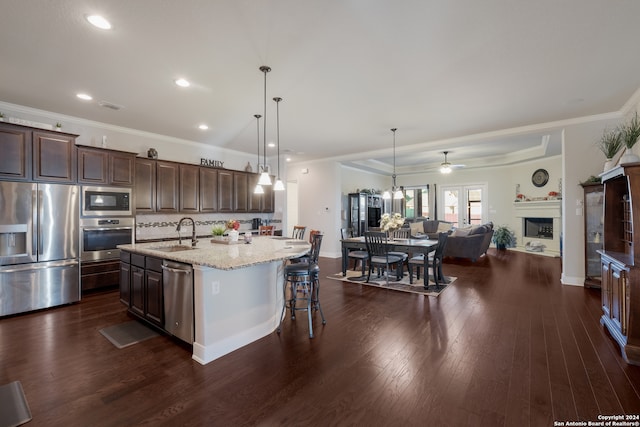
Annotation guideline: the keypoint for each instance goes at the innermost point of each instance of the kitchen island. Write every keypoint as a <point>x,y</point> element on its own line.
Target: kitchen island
<point>237,288</point>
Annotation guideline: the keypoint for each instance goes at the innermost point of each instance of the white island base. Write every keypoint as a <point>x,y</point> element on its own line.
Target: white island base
<point>233,308</point>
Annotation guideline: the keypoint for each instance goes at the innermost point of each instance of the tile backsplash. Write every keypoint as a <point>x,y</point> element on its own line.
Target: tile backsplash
<point>163,226</point>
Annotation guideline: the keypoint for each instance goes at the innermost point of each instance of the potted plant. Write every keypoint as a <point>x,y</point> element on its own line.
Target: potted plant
<point>218,231</point>
<point>58,126</point>
<point>1,117</point>
<point>503,237</point>
<point>610,143</point>
<point>630,133</point>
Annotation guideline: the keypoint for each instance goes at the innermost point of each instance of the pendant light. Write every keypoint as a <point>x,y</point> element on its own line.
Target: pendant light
<point>258,188</point>
<point>445,167</point>
<point>279,185</point>
<point>397,192</point>
<point>265,179</point>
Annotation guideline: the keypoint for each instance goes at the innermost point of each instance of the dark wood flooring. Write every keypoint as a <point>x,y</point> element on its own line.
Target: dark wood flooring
<point>506,345</point>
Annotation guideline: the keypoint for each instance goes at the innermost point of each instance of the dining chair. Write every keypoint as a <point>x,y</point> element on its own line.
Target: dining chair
<point>401,233</point>
<point>266,230</point>
<point>434,260</point>
<point>298,232</point>
<point>302,283</point>
<point>356,255</point>
<point>379,256</point>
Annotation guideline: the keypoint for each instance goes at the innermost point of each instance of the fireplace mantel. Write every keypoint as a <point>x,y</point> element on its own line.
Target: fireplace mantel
<point>538,209</point>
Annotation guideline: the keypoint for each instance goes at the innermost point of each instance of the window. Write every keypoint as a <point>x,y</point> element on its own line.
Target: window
<point>416,201</point>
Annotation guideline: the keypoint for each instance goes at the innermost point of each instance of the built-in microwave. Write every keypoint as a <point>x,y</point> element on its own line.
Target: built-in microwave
<point>106,201</point>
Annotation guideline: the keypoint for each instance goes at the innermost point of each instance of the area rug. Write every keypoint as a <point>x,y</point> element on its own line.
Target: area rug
<point>14,409</point>
<point>417,287</point>
<point>129,333</point>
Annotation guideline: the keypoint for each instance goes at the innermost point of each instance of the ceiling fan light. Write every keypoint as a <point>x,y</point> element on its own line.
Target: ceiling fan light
<point>258,189</point>
<point>278,186</point>
<point>445,169</point>
<point>265,179</point>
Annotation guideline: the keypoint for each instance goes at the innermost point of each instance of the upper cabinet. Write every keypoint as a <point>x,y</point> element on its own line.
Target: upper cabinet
<point>15,144</point>
<point>145,185</point>
<point>105,167</point>
<point>162,186</point>
<point>36,154</point>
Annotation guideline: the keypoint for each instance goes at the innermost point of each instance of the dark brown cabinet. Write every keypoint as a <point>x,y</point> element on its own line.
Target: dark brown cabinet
<point>15,145</point>
<point>145,185</point>
<point>189,188</point>
<point>620,262</point>
<point>225,191</point>
<point>154,307</point>
<point>167,191</point>
<point>240,192</point>
<point>208,190</point>
<point>99,275</point>
<point>267,199</point>
<point>105,167</point>
<point>35,154</point>
<point>141,286</point>
<point>125,278</point>
<point>54,157</point>
<point>171,187</point>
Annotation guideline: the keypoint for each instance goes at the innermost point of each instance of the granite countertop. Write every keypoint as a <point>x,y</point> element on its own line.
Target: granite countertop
<point>262,249</point>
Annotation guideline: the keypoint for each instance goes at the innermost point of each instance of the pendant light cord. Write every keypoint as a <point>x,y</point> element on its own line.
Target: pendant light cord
<point>278,99</point>
<point>257,116</point>
<point>394,158</point>
<point>265,70</point>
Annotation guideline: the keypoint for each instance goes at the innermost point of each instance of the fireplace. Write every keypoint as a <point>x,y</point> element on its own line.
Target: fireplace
<point>540,228</point>
<point>537,226</point>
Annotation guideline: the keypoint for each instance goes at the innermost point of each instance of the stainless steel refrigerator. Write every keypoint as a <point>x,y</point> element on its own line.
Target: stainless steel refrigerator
<point>39,246</point>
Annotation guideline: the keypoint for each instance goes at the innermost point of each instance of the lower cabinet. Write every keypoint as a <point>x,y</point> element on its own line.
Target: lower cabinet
<point>99,275</point>
<point>141,286</point>
<point>619,313</point>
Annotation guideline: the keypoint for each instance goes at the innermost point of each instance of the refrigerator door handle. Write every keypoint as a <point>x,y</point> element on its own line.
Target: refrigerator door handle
<point>37,266</point>
<point>40,216</point>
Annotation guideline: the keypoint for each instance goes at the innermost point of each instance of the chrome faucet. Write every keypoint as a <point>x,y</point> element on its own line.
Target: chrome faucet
<point>193,231</point>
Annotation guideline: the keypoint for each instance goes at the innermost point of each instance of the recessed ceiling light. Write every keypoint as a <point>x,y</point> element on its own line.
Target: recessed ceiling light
<point>203,127</point>
<point>182,82</point>
<point>288,159</point>
<point>84,96</point>
<point>271,145</point>
<point>99,21</point>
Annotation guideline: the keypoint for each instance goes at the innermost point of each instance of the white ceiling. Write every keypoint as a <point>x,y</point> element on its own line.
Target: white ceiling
<point>450,75</point>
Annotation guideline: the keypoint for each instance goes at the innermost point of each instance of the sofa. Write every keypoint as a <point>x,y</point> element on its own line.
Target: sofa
<point>469,242</point>
<point>423,228</point>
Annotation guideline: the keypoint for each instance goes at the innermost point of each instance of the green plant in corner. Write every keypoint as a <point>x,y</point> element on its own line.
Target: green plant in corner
<point>610,143</point>
<point>631,132</point>
<point>503,237</point>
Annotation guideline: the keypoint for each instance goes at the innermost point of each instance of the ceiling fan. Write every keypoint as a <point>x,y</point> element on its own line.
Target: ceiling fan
<point>446,167</point>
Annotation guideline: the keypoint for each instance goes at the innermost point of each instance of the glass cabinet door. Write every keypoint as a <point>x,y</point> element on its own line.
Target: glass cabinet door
<point>593,222</point>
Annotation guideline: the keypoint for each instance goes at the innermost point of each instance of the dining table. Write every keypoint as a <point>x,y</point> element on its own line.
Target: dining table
<point>410,246</point>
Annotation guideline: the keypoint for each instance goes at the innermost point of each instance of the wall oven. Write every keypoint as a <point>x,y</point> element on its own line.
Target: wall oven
<point>106,201</point>
<point>100,237</point>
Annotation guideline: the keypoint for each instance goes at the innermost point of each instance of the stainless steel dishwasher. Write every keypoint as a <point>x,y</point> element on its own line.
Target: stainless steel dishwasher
<point>177,279</point>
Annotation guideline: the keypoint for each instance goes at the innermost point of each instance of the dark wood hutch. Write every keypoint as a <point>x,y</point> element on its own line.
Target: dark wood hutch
<point>620,261</point>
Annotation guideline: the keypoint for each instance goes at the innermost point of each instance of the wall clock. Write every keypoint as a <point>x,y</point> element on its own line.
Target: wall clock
<point>540,178</point>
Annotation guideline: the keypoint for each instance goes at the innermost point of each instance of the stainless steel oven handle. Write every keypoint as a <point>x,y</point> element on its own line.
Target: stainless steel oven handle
<point>106,228</point>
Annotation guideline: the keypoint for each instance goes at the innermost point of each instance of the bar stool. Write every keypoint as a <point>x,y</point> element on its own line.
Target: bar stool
<point>298,232</point>
<point>302,281</point>
<point>267,230</point>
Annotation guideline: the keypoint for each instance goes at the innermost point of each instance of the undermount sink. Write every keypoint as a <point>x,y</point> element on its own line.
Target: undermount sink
<point>174,248</point>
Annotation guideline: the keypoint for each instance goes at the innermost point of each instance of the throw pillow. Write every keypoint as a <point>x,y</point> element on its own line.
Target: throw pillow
<point>443,226</point>
<point>416,228</point>
<point>461,232</point>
